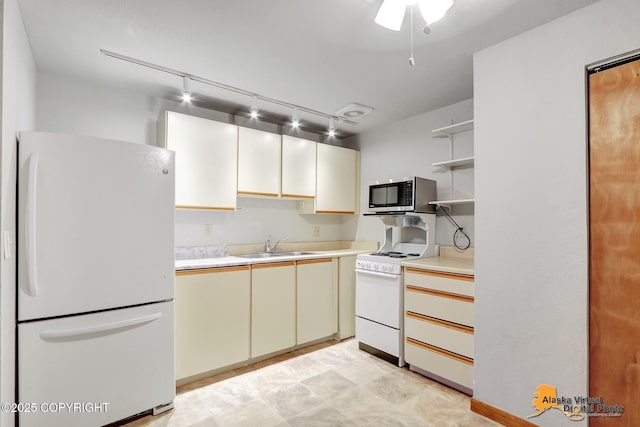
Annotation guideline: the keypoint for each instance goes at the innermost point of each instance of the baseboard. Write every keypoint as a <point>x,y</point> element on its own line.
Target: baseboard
<point>498,415</point>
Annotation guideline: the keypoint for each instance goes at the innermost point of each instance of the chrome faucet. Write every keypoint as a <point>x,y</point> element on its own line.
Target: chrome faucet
<point>268,247</point>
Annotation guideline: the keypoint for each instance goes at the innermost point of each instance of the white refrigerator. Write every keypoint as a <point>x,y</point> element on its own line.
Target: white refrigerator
<point>95,287</point>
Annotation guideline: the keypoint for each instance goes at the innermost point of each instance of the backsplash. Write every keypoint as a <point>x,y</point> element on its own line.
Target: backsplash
<point>255,220</point>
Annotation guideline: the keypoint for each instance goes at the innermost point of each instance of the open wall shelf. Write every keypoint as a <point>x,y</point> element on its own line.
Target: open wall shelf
<point>450,164</point>
<point>453,129</point>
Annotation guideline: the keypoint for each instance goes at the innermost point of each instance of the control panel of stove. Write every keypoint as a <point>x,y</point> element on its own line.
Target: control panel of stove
<point>382,267</point>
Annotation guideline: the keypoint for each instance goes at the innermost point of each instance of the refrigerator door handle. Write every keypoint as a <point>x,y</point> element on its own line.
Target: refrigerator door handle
<point>30,224</point>
<point>101,329</point>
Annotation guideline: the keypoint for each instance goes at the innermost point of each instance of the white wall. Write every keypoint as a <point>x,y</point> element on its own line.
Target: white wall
<point>80,107</point>
<point>531,211</point>
<point>406,148</point>
<point>18,113</point>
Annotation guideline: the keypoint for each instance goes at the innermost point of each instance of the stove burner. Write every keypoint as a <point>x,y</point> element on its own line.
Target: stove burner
<point>394,254</point>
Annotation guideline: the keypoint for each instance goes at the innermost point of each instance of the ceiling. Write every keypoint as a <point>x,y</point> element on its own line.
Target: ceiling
<point>320,55</point>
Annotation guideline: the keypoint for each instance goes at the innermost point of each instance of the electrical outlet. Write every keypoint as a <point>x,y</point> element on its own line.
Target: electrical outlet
<point>316,231</point>
<point>208,229</point>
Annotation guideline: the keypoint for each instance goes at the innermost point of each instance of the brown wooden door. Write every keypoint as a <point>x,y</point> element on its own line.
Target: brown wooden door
<point>614,253</point>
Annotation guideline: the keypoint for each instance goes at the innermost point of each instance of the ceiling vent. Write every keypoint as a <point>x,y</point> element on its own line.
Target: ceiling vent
<point>354,111</point>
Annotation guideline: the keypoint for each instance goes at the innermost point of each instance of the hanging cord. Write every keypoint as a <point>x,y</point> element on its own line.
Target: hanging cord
<point>459,230</point>
<point>412,61</point>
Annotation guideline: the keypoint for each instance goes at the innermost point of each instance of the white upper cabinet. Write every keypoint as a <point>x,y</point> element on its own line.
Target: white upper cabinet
<point>259,155</point>
<point>206,160</point>
<point>298,167</point>
<point>337,180</point>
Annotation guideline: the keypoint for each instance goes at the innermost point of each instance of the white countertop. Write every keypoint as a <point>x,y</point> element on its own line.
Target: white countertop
<point>226,261</point>
<point>455,265</point>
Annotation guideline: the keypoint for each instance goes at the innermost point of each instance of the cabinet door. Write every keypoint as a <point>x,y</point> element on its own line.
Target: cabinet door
<point>347,297</point>
<point>206,161</point>
<point>273,307</point>
<point>317,297</point>
<point>298,167</point>
<point>258,163</point>
<point>212,319</point>
<point>337,180</point>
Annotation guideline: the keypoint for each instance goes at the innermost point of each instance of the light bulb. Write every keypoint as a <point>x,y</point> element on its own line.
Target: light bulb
<point>186,89</point>
<point>295,121</point>
<point>434,10</point>
<point>254,107</point>
<point>332,127</point>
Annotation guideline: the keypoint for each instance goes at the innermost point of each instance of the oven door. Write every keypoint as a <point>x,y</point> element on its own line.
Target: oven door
<point>379,297</point>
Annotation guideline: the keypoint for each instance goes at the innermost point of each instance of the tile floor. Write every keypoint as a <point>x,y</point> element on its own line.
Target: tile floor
<point>330,384</point>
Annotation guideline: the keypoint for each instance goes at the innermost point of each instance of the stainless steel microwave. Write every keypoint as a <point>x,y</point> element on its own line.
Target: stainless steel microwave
<point>408,195</point>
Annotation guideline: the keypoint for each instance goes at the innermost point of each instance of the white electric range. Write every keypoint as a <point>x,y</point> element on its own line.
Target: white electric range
<point>379,286</point>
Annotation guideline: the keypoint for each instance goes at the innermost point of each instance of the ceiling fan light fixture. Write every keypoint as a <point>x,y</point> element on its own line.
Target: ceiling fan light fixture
<point>391,14</point>
<point>434,10</point>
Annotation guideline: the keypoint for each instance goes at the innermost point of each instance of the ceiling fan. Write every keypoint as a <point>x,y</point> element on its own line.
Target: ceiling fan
<point>391,12</point>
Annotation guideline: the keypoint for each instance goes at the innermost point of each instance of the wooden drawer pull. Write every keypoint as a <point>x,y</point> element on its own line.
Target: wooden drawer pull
<point>273,264</point>
<point>446,324</point>
<point>440,351</point>
<point>253,193</point>
<point>313,261</point>
<point>449,295</point>
<point>205,208</point>
<point>211,270</point>
<point>439,274</point>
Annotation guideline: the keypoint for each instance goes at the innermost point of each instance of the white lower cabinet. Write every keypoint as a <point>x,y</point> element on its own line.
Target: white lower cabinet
<point>317,299</point>
<point>212,319</point>
<point>439,325</point>
<point>273,307</point>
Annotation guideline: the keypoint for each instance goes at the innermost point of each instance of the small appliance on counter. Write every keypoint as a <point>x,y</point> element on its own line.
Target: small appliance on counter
<point>379,286</point>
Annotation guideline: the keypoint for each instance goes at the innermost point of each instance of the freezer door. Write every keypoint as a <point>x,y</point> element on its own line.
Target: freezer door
<point>96,368</point>
<point>95,224</point>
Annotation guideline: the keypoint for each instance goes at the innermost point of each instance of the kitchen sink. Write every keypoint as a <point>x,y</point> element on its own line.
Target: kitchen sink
<point>295,253</point>
<point>274,254</point>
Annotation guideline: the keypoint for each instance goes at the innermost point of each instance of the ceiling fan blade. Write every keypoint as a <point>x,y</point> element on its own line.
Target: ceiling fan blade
<point>391,14</point>
<point>434,10</point>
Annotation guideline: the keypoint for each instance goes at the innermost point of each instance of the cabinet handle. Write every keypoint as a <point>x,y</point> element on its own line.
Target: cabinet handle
<point>313,261</point>
<point>211,270</point>
<point>273,264</point>
<point>30,224</point>
<point>85,332</point>
<point>439,322</point>
<point>336,212</point>
<point>440,351</point>
<point>205,208</point>
<point>439,293</point>
<point>439,274</point>
<point>298,196</point>
<point>255,193</point>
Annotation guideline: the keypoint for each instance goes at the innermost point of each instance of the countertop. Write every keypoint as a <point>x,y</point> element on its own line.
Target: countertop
<point>226,261</point>
<point>449,261</point>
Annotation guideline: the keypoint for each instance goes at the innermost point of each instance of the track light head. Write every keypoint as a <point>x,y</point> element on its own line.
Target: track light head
<point>295,120</point>
<point>186,89</point>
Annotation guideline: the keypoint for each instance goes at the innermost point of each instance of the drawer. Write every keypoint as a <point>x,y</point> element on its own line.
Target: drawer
<point>455,338</point>
<point>445,282</point>
<point>441,305</point>
<point>454,368</point>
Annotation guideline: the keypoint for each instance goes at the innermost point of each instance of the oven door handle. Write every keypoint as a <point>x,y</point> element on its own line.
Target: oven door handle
<point>378,273</point>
